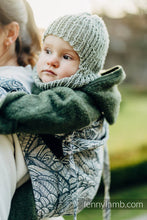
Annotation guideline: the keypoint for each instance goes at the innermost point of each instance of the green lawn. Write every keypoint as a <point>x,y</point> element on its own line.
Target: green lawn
<point>128,139</point>
<point>133,194</point>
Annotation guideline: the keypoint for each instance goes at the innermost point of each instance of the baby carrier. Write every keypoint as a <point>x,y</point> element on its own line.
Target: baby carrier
<point>66,185</point>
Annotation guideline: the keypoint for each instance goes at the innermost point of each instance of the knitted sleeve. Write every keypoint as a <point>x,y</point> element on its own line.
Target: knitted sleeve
<point>60,110</point>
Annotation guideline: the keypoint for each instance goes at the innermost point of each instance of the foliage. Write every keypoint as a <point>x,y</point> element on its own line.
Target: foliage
<point>123,177</point>
<point>128,46</point>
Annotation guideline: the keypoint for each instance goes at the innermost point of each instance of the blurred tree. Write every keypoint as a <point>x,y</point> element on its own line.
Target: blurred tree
<point>141,6</point>
<point>128,37</point>
<point>119,8</point>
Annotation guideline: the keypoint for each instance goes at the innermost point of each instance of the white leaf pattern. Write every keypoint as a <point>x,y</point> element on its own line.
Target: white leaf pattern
<point>61,186</point>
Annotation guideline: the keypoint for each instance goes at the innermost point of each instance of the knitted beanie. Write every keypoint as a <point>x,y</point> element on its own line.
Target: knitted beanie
<point>88,36</point>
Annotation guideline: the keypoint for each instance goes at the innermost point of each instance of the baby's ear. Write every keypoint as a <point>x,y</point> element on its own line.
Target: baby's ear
<point>12,32</point>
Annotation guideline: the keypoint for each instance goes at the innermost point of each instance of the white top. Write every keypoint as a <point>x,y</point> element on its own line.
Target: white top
<point>15,78</point>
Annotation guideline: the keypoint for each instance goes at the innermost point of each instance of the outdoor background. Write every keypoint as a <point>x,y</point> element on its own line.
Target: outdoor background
<point>126,21</point>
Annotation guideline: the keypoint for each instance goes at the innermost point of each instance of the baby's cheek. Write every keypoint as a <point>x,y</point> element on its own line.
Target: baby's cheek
<point>38,66</point>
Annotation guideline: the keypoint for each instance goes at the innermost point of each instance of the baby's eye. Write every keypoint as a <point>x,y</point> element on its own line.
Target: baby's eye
<point>67,57</point>
<point>48,51</point>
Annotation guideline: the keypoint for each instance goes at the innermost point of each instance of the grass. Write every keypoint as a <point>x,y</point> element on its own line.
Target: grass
<point>130,195</point>
<point>115,215</point>
<point>128,141</point>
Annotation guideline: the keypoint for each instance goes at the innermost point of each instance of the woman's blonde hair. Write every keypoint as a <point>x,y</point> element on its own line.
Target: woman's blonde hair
<point>28,43</point>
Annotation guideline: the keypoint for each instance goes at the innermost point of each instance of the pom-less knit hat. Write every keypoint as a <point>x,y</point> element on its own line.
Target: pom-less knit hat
<point>88,36</point>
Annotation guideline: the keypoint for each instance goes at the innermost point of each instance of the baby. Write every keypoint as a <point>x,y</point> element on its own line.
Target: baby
<point>74,50</point>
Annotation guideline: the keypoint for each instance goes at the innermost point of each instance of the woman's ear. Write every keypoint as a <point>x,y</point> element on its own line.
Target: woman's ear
<point>12,32</point>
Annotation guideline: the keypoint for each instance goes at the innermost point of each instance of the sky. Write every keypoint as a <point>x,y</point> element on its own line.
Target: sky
<point>47,10</point>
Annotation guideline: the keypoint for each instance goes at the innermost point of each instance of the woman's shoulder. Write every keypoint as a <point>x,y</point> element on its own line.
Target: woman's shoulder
<point>10,71</point>
<point>19,74</point>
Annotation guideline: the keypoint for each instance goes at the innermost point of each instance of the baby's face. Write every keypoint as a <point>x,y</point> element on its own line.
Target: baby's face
<point>57,60</point>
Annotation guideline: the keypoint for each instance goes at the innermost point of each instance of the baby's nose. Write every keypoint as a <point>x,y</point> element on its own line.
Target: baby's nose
<point>53,61</point>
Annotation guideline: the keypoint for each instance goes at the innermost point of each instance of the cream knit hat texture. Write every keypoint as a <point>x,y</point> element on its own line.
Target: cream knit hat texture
<point>88,36</point>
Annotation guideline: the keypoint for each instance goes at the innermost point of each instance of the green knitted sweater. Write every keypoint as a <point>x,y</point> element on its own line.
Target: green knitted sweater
<point>59,110</point>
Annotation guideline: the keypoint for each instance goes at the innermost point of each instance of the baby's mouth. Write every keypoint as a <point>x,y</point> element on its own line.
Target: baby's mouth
<point>49,72</point>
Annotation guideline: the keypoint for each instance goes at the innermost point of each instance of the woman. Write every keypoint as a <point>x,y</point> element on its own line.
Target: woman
<point>19,45</point>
